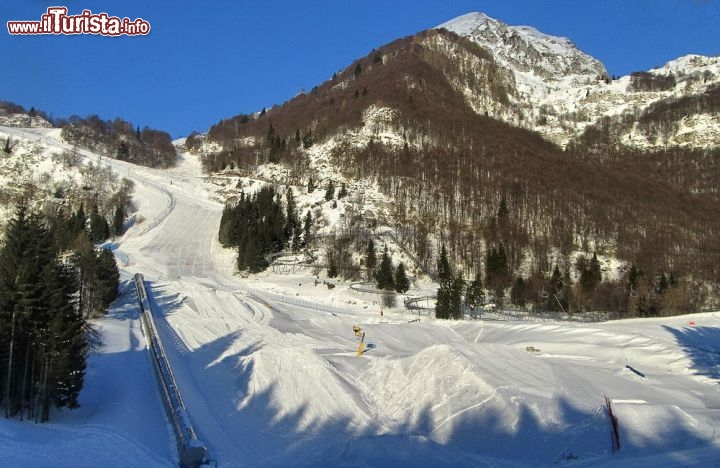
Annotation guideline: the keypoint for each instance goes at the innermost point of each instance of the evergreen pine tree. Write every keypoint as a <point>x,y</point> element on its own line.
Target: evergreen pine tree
<point>118,221</point>
<point>225,231</point>
<point>107,278</point>
<point>310,185</point>
<point>343,191</point>
<point>371,258</point>
<point>447,301</point>
<point>307,140</point>
<point>307,227</point>
<point>556,280</point>
<point>517,293</point>
<point>443,267</point>
<point>384,274</point>
<point>633,278</point>
<point>99,230</point>
<point>11,258</point>
<point>503,211</point>
<point>78,221</point>
<point>330,192</point>
<point>443,302</point>
<point>456,293</point>
<point>475,295</point>
<point>292,225</point>
<point>590,276</point>
<point>62,357</point>
<point>36,295</point>
<point>402,284</point>
<point>84,260</point>
<point>332,271</point>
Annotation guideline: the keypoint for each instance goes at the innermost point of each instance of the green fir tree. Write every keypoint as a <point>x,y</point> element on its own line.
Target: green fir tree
<point>402,283</point>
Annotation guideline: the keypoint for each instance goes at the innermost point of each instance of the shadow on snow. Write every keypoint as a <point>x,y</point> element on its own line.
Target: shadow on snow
<point>265,432</point>
<point>702,345</point>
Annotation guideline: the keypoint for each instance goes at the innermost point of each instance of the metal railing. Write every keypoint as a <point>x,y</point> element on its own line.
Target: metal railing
<point>191,450</point>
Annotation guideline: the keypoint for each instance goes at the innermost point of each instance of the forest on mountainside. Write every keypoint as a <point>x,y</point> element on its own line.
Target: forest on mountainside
<point>118,139</point>
<point>655,211</point>
<point>53,279</point>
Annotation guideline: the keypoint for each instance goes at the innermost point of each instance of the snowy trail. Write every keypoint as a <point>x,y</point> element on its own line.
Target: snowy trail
<point>268,370</point>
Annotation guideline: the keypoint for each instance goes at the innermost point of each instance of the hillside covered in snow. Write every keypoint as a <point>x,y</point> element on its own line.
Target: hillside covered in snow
<point>269,371</point>
<point>457,127</point>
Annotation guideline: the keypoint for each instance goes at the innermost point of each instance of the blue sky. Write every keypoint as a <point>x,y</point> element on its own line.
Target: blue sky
<point>207,60</point>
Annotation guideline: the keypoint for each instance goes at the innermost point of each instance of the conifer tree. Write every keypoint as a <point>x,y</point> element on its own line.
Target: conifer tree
<point>330,192</point>
<point>107,278</point>
<point>62,358</point>
<point>78,221</point>
<point>307,227</point>
<point>497,273</point>
<point>590,276</point>
<point>402,284</point>
<point>11,259</point>
<point>443,267</point>
<point>332,271</point>
<point>99,230</point>
<point>256,225</point>
<point>343,191</point>
<point>85,262</point>
<point>503,211</point>
<point>292,225</point>
<point>118,221</point>
<point>446,298</point>
<point>556,280</point>
<point>307,140</point>
<point>39,317</point>
<point>475,295</point>
<point>443,302</point>
<point>385,275</point>
<point>371,258</point>
<point>456,292</point>
<point>517,294</point>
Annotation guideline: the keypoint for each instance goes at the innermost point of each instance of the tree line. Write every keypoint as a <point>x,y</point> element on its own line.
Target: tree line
<point>118,139</point>
<point>52,280</point>
<point>260,224</point>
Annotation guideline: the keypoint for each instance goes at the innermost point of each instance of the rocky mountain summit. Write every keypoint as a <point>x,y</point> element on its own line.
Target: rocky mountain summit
<point>561,91</point>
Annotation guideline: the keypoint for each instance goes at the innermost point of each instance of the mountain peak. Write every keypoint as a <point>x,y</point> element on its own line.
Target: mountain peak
<point>524,49</point>
<point>463,25</point>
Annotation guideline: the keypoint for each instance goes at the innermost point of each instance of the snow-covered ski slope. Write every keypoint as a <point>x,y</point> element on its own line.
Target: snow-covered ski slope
<point>268,370</point>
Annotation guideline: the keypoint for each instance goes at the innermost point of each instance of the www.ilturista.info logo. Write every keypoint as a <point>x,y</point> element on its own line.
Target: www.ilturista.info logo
<point>57,21</point>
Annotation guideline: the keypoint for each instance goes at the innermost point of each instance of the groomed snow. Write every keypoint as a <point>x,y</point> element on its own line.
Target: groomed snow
<point>268,370</point>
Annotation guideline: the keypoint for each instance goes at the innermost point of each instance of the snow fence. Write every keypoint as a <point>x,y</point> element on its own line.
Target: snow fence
<point>191,450</point>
